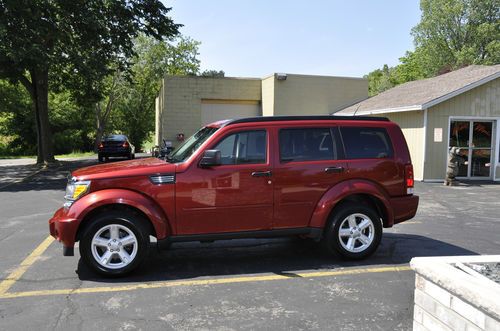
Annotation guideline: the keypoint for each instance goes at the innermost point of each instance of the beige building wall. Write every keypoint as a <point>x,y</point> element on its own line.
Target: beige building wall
<point>412,125</point>
<point>181,100</point>
<point>268,96</point>
<point>215,110</point>
<point>480,102</point>
<point>316,95</point>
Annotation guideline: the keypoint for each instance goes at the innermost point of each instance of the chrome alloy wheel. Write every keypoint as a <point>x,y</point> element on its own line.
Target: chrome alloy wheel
<point>356,233</point>
<point>114,246</point>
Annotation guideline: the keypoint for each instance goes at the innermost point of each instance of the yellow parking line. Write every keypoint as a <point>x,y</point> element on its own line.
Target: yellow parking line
<point>21,269</point>
<point>230,280</point>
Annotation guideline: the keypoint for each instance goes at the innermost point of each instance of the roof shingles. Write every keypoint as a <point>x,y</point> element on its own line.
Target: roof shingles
<point>418,93</point>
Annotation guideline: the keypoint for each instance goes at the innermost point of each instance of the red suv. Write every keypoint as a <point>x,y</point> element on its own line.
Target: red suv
<point>331,178</point>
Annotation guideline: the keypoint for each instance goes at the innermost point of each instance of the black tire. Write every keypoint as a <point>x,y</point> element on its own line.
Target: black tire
<point>125,220</point>
<point>130,156</point>
<point>333,242</point>
<point>100,158</point>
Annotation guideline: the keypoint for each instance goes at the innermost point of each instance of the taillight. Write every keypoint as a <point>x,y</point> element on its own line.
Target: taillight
<point>125,144</point>
<point>409,178</point>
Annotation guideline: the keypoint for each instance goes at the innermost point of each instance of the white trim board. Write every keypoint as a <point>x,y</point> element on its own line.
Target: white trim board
<point>386,110</point>
<point>424,145</point>
<point>430,103</point>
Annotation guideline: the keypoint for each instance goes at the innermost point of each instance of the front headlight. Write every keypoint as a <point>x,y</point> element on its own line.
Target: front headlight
<point>74,190</point>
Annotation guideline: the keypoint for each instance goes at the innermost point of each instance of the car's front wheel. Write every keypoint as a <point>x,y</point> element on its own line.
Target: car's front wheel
<point>115,243</point>
<point>354,231</point>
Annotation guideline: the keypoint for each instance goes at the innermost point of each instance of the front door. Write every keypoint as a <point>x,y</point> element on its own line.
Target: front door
<point>234,196</point>
<point>474,138</point>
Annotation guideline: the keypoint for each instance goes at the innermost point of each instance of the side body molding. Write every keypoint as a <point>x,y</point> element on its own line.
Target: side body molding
<point>344,189</point>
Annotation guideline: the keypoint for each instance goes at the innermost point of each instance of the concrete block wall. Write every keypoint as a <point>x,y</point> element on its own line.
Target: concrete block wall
<point>437,309</point>
<point>181,98</point>
<point>434,309</point>
<point>316,95</point>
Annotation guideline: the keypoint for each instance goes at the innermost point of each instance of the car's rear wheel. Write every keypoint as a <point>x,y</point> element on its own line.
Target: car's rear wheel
<point>354,231</point>
<point>115,243</point>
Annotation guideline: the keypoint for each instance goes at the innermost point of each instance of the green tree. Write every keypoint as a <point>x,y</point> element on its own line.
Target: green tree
<point>380,80</point>
<point>456,33</point>
<point>17,127</point>
<point>451,34</point>
<point>213,73</point>
<point>71,124</point>
<point>153,60</point>
<point>50,44</point>
<point>114,88</point>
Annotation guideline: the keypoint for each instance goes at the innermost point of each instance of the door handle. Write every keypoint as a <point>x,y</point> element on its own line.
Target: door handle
<point>334,170</point>
<point>261,174</point>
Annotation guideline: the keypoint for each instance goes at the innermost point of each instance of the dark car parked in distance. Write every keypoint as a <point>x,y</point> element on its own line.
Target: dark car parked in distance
<point>115,145</point>
<point>338,180</point>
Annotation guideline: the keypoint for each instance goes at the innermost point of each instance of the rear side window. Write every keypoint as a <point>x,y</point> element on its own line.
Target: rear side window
<point>307,144</point>
<point>366,143</point>
<point>247,147</point>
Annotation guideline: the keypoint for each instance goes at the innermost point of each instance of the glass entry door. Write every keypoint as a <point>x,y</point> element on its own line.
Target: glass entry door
<point>474,138</point>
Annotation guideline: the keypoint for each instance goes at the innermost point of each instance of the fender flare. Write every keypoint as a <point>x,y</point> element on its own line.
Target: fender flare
<point>341,191</point>
<point>83,206</point>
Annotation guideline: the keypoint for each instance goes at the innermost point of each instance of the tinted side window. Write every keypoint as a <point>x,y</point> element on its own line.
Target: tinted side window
<point>307,144</point>
<point>248,147</point>
<point>366,143</point>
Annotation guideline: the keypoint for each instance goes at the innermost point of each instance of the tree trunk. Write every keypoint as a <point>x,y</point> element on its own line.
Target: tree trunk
<point>38,89</point>
<point>99,128</point>
<point>40,97</point>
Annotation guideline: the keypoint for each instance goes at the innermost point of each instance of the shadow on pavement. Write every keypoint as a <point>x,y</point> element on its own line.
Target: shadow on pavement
<point>53,178</point>
<point>282,256</point>
<point>13,173</point>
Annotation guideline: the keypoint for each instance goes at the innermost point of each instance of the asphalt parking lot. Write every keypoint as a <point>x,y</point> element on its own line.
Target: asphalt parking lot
<point>229,285</point>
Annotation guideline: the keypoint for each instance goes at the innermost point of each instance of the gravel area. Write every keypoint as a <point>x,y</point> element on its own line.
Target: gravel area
<point>490,270</point>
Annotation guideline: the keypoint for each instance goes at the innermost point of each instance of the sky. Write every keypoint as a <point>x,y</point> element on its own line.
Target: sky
<point>317,37</point>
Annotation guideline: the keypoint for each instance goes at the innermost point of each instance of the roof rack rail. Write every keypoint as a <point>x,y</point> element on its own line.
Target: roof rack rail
<point>305,118</point>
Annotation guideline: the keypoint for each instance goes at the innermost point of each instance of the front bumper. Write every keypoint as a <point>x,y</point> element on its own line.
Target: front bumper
<point>64,229</point>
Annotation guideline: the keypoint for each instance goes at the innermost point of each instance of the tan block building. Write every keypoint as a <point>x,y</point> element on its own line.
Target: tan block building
<point>186,103</point>
<point>457,109</point>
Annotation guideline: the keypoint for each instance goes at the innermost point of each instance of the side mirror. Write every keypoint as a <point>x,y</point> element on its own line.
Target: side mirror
<point>211,157</point>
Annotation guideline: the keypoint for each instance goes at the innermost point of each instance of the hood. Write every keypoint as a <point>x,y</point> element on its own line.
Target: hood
<point>124,169</point>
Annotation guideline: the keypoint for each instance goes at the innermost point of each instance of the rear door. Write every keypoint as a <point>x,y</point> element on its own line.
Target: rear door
<point>309,161</point>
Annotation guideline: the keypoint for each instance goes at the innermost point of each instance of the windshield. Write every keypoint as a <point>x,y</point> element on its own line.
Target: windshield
<point>188,147</point>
